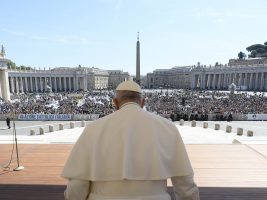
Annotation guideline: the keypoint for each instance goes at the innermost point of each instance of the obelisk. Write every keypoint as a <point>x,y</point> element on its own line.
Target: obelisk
<point>137,78</point>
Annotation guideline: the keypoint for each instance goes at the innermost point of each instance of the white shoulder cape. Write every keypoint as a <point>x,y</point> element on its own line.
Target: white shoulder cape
<point>130,144</point>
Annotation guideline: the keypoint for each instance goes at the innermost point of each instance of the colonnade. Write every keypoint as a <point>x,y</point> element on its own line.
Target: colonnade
<point>219,81</point>
<point>19,84</point>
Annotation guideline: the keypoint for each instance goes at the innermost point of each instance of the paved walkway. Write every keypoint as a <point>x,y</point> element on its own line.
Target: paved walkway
<point>222,170</point>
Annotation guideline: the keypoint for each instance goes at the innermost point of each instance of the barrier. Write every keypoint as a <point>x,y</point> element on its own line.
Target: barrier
<point>45,117</point>
<point>257,117</point>
<point>61,127</point>
<point>205,125</point>
<point>82,123</point>
<point>217,127</point>
<point>181,122</point>
<point>32,132</point>
<point>51,128</point>
<point>51,117</point>
<point>249,133</point>
<point>72,124</point>
<point>194,123</point>
<point>239,131</point>
<point>228,129</point>
<point>41,131</point>
<point>91,117</point>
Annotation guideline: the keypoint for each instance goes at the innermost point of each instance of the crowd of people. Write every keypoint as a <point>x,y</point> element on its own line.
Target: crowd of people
<point>175,104</point>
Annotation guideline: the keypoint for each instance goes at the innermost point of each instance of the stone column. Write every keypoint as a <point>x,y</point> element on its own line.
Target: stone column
<point>208,84</point>
<point>85,83</point>
<point>26,84</point>
<point>17,84</point>
<point>193,82</point>
<point>204,81</point>
<point>256,81</point>
<point>45,84</point>
<point>31,84</point>
<point>250,81</point>
<point>219,81</point>
<point>262,81</point>
<point>41,84</point>
<point>4,84</point>
<point>246,80</point>
<point>225,81</point>
<point>65,84</point>
<point>36,84</point>
<point>20,84</point>
<point>60,84</point>
<point>236,79</point>
<point>229,79</point>
<point>50,82</point>
<point>240,80</point>
<point>70,84</point>
<point>213,81</point>
<point>76,84</point>
<point>55,83</point>
<point>12,84</point>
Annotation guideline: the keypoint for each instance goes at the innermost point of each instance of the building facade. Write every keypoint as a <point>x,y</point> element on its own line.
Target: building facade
<point>249,74</point>
<point>61,79</point>
<point>176,77</point>
<point>116,77</point>
<point>246,74</point>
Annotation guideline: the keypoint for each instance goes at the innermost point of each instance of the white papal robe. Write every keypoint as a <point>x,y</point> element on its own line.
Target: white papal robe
<point>129,154</point>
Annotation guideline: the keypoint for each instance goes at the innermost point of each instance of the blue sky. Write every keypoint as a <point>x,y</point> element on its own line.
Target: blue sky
<point>102,33</point>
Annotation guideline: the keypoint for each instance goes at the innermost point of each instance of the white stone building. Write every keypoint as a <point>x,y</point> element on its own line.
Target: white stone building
<point>116,77</point>
<point>176,77</point>
<point>249,74</point>
<point>62,79</point>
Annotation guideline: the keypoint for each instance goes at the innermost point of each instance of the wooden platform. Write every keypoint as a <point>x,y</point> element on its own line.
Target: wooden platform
<point>221,171</point>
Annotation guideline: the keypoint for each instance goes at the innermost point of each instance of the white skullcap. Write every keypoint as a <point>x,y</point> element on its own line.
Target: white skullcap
<point>129,86</point>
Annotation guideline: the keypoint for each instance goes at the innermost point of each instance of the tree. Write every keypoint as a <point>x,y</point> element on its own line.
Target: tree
<point>255,47</point>
<point>257,50</point>
<point>253,54</point>
<point>241,55</point>
<point>11,65</point>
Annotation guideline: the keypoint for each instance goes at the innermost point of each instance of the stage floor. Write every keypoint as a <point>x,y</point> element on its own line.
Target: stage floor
<point>221,171</point>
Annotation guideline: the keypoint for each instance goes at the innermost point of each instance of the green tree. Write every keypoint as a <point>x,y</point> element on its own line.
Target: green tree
<point>11,65</point>
<point>241,55</point>
<point>253,54</point>
<point>257,50</point>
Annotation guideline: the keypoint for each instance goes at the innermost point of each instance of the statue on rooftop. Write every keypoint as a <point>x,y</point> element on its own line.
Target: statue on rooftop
<point>2,53</point>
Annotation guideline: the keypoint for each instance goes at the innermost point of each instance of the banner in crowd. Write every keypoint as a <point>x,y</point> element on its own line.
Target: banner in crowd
<point>257,117</point>
<point>45,117</point>
<point>91,117</point>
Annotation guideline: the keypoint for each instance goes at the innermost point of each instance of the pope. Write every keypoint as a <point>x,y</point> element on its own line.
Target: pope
<point>129,155</point>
